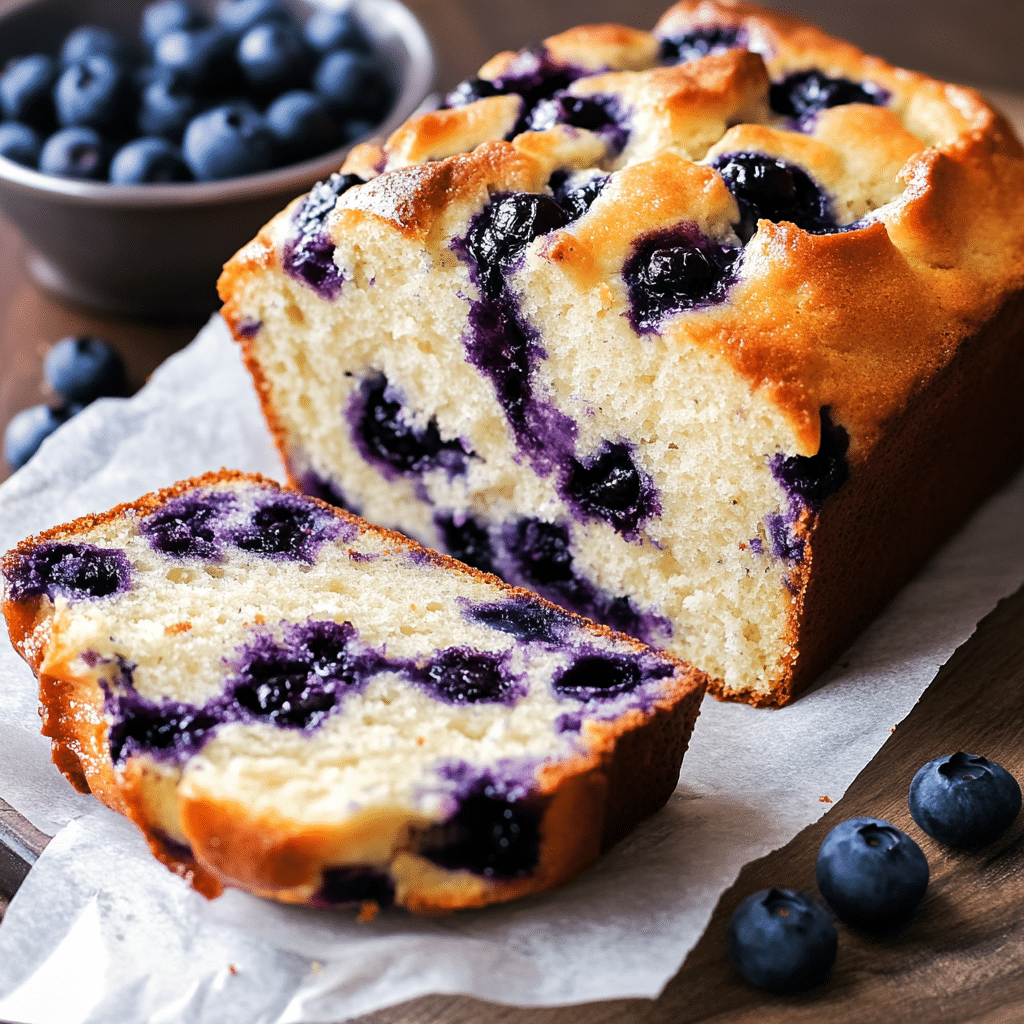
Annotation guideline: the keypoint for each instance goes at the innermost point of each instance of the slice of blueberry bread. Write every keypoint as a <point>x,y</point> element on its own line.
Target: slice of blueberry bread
<point>291,701</point>
<point>711,333</point>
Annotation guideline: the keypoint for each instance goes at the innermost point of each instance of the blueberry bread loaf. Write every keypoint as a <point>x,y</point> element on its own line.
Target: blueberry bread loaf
<point>712,333</point>
<point>290,701</point>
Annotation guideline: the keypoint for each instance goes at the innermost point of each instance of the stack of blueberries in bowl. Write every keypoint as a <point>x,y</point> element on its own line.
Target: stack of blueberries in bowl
<point>196,96</point>
<point>144,141</point>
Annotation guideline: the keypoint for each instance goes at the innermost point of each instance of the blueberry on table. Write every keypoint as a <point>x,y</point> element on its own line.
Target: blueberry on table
<point>228,141</point>
<point>18,142</point>
<point>871,874</point>
<point>75,153</point>
<point>83,369</point>
<point>964,799</point>
<point>95,92</point>
<point>782,940</point>
<point>29,428</point>
<point>303,125</point>
<point>148,160</point>
<point>26,91</point>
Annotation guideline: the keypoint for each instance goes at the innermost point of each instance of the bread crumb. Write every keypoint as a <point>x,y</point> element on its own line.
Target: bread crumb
<point>369,910</point>
<point>232,968</point>
<point>824,799</point>
<point>178,627</point>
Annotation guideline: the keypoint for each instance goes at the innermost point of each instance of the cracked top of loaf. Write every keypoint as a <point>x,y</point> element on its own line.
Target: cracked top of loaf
<point>831,226</point>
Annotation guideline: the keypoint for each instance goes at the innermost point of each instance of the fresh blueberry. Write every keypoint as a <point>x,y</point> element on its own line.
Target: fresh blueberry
<point>273,57</point>
<point>871,874</point>
<point>164,107</point>
<point>240,15</point>
<point>782,940</point>
<point>228,141</point>
<point>75,153</point>
<point>357,128</point>
<point>303,126</point>
<point>92,41</point>
<point>201,60</point>
<point>699,43</point>
<point>165,16</point>
<point>26,91</point>
<point>353,83</point>
<point>148,160</point>
<point>329,29</point>
<point>964,799</point>
<point>29,428</point>
<point>807,92</point>
<point>83,369</point>
<point>19,143</point>
<point>95,92</point>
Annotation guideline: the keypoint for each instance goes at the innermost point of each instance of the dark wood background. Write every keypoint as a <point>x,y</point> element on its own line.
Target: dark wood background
<point>960,959</point>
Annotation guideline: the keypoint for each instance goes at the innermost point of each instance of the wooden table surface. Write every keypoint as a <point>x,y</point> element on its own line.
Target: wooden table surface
<point>960,958</point>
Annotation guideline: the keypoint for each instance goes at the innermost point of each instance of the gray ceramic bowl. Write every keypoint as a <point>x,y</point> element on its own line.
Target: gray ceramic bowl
<point>157,250</point>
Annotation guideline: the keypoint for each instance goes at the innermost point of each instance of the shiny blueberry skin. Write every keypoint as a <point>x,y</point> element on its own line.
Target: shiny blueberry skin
<point>83,369</point>
<point>240,15</point>
<point>871,874</point>
<point>165,108</point>
<point>303,125</point>
<point>352,84</point>
<point>95,92</point>
<point>273,57</point>
<point>771,189</point>
<point>92,41</point>
<point>782,940</point>
<point>334,30</point>
<point>20,143</point>
<point>199,59</point>
<point>75,153</point>
<point>228,141</point>
<point>165,16</point>
<point>699,43</point>
<point>148,160</point>
<point>29,428</point>
<point>964,800</point>
<point>463,676</point>
<point>26,91</point>
<point>488,835</point>
<point>807,92</point>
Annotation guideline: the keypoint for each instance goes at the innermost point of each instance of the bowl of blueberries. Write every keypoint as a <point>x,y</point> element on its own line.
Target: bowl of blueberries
<point>143,143</point>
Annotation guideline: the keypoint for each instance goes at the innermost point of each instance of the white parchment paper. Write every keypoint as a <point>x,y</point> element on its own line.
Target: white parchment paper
<point>101,932</point>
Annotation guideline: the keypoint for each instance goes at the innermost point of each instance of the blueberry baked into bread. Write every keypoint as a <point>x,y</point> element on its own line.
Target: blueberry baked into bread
<point>711,333</point>
<point>291,701</point>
